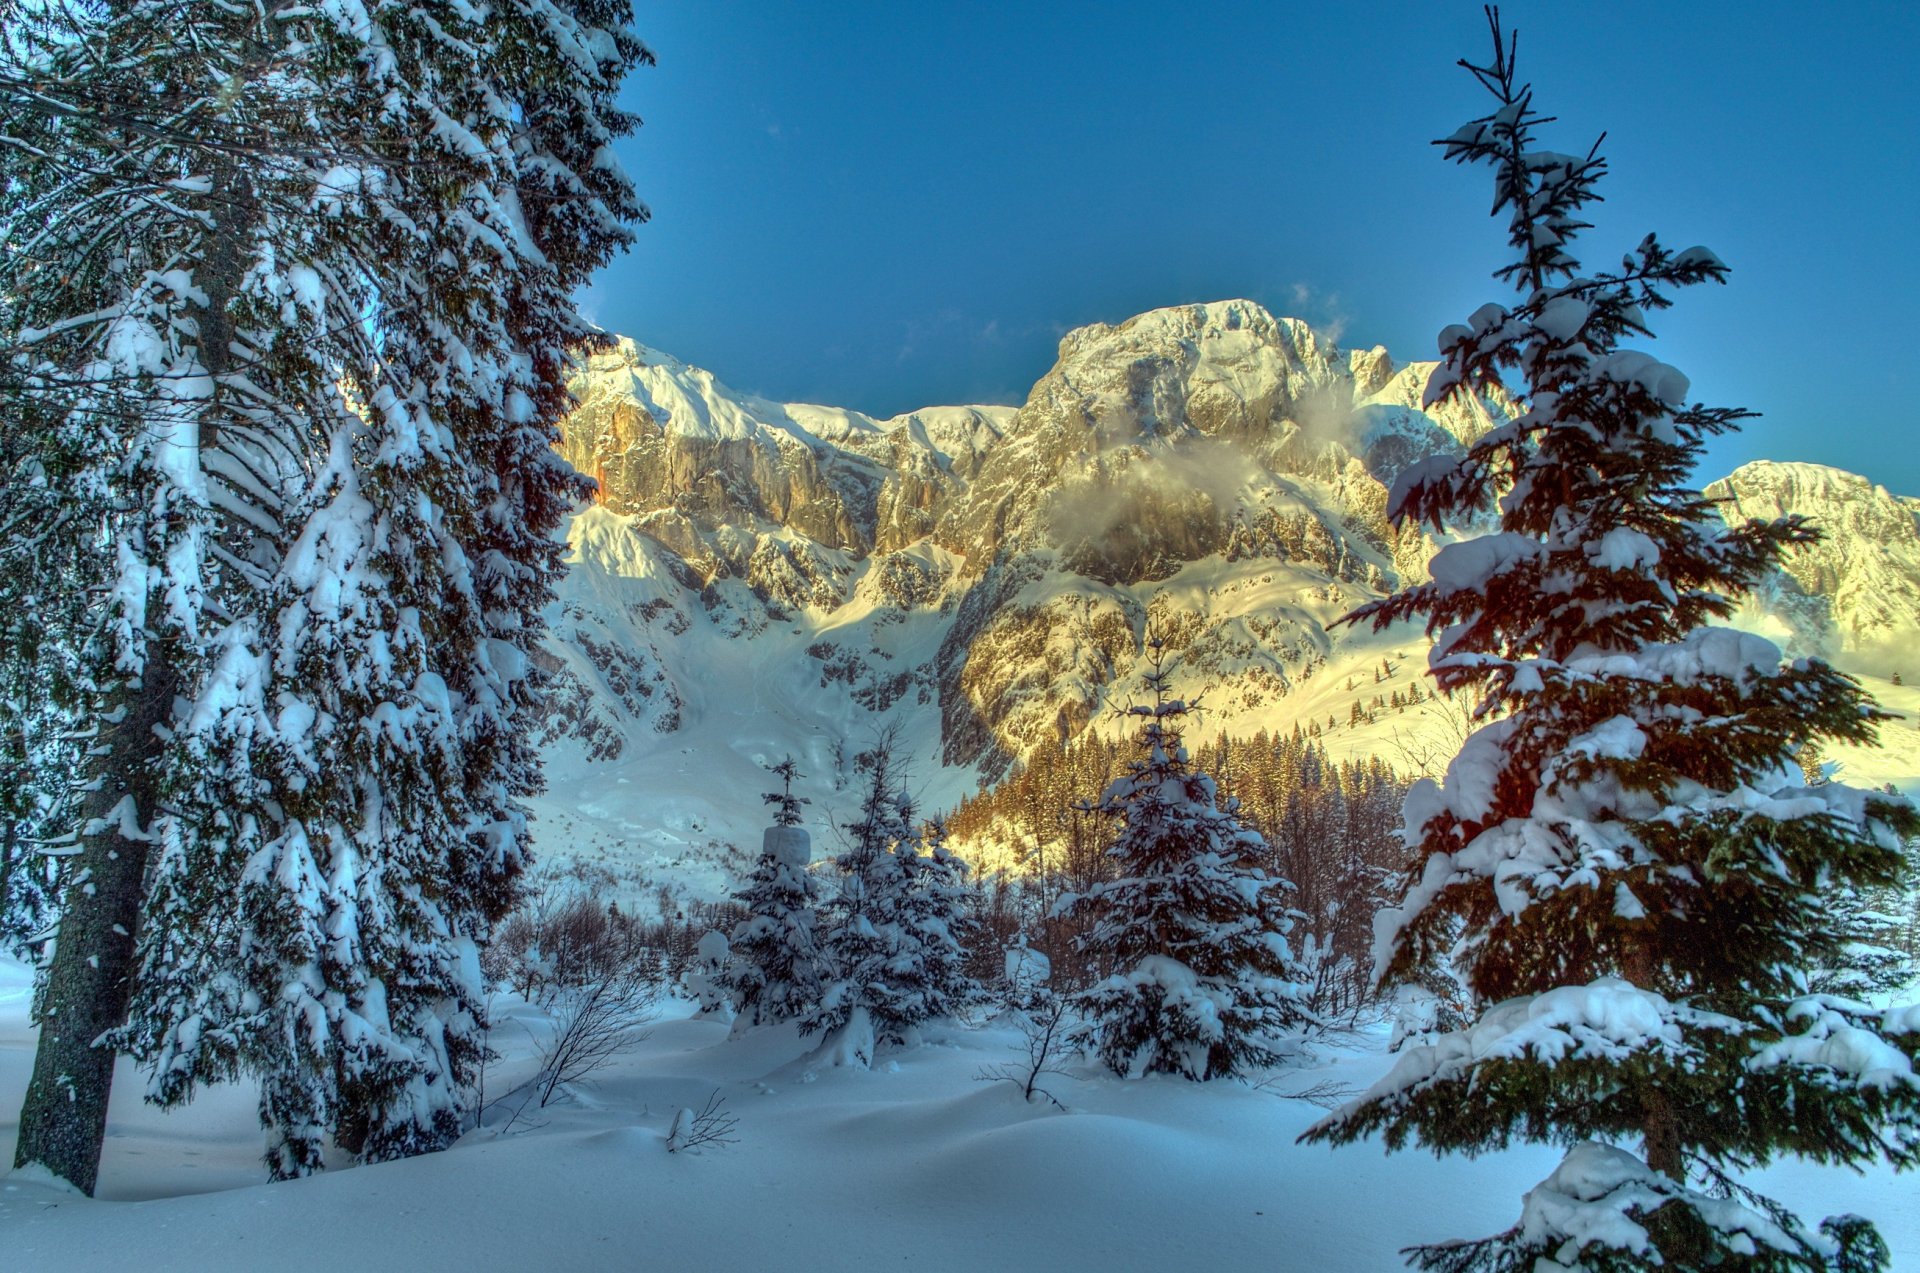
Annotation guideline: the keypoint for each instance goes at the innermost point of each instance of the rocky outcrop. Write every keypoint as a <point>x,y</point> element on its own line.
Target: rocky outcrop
<point>1182,446</point>
<point>764,578</point>
<point>1853,597</point>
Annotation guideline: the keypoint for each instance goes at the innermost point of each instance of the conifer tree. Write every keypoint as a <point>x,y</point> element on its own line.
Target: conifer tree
<point>1624,859</point>
<point>877,992</point>
<point>337,552</point>
<point>152,424</point>
<point>787,805</point>
<point>939,927</point>
<point>1193,932</point>
<point>777,972</point>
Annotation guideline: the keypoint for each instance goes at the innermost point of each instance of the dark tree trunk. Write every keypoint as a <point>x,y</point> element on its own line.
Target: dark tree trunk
<point>1660,1118</point>
<point>64,1118</point>
<point>63,1121</point>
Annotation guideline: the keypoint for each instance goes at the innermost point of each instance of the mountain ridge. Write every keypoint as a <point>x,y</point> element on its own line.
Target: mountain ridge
<point>757,576</point>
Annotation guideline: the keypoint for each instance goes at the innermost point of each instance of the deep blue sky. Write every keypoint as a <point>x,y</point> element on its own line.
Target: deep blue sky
<point>887,205</point>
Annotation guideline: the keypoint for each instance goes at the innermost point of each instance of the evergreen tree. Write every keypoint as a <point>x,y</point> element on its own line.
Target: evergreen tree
<point>1193,931</point>
<point>939,928</point>
<point>878,990</point>
<point>787,805</point>
<point>337,545</point>
<point>153,424</point>
<point>1623,859</point>
<point>39,759</point>
<point>777,973</point>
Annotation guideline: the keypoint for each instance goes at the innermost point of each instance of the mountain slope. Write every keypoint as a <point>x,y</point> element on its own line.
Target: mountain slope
<point>1854,597</point>
<point>761,578</point>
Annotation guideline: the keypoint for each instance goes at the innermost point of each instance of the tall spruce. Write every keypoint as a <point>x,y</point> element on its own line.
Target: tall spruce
<point>1192,932</point>
<point>41,450</point>
<point>145,146</point>
<point>895,934</point>
<point>1624,859</point>
<point>940,924</point>
<point>339,345</point>
<point>875,991</point>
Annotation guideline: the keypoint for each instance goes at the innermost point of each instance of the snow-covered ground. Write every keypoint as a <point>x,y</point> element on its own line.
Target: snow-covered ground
<point>914,1165</point>
<point>681,808</point>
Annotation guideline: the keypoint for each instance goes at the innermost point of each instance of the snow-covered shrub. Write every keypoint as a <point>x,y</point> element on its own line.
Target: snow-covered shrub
<point>707,980</point>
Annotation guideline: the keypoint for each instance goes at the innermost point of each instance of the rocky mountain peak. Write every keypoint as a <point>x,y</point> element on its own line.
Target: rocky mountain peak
<point>763,577</point>
<point>1853,597</point>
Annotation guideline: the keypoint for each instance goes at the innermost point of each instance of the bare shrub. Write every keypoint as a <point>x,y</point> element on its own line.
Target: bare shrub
<point>1043,1029</point>
<point>592,1025</point>
<point>711,1124</point>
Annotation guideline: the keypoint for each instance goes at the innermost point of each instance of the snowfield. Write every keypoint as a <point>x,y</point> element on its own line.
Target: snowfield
<point>913,1165</point>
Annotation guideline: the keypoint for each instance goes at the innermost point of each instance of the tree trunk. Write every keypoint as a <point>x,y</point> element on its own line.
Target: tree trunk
<point>1660,1118</point>
<point>63,1120</point>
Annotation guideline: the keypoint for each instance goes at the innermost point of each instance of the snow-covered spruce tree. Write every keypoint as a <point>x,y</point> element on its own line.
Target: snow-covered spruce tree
<point>1192,933</point>
<point>487,349</point>
<point>939,922</point>
<point>1640,873</point>
<point>776,973</point>
<point>368,727</point>
<point>147,428</point>
<point>41,612</point>
<point>874,993</point>
<point>39,744</point>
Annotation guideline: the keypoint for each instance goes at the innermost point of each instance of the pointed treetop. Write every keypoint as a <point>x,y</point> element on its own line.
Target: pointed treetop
<point>787,805</point>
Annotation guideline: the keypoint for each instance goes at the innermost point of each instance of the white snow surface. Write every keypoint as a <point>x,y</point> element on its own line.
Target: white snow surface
<point>1584,1202</point>
<point>911,1164</point>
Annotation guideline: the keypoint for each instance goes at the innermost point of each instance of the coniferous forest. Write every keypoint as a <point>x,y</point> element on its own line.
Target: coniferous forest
<point>476,786</point>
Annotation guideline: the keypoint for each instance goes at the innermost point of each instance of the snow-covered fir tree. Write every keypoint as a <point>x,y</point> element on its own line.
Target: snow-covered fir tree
<point>1192,931</point>
<point>1624,859</point>
<point>40,752</point>
<point>377,495</point>
<point>42,607</point>
<point>776,973</point>
<point>154,419</point>
<point>879,991</point>
<point>938,921</point>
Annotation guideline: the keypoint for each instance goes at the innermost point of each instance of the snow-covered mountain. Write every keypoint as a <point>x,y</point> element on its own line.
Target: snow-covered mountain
<point>761,578</point>
<point>1852,598</point>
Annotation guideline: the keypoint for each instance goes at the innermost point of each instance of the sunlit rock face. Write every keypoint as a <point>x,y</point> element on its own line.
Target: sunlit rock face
<point>1211,468</point>
<point>1854,596</point>
<point>985,575</point>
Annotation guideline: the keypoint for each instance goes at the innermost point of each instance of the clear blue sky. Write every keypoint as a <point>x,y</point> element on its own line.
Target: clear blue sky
<point>887,205</point>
